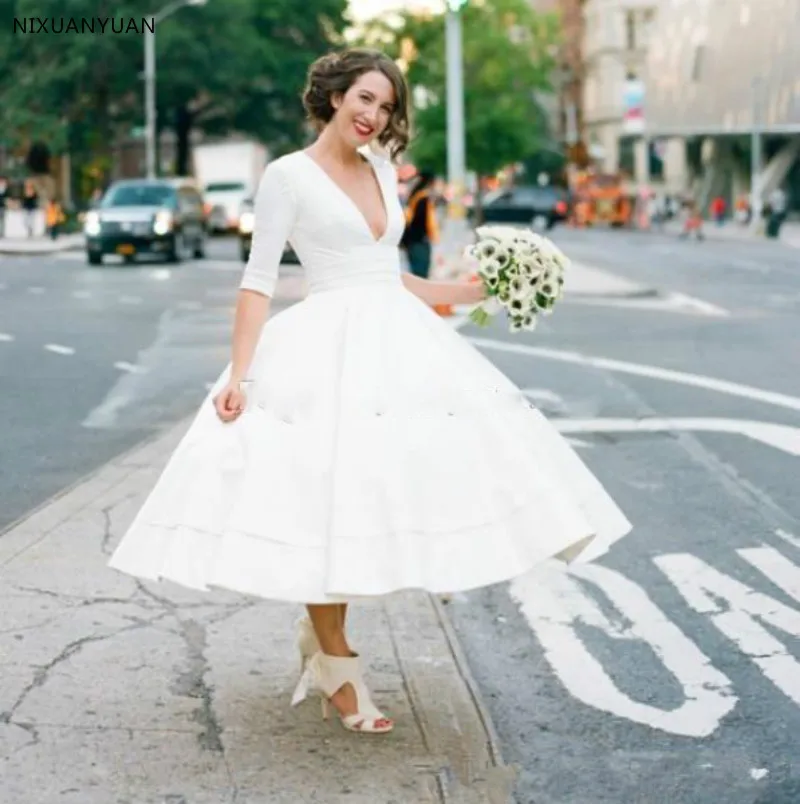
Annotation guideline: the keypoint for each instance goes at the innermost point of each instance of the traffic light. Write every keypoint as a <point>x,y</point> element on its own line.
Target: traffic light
<point>456,5</point>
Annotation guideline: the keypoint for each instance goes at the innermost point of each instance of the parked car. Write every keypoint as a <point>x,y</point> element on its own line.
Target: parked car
<point>540,207</point>
<point>246,222</point>
<point>162,217</point>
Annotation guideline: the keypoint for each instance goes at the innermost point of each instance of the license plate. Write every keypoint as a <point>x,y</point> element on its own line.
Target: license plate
<point>125,248</point>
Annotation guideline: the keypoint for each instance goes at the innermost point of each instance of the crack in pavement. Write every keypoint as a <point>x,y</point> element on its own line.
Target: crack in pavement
<point>192,684</point>
<point>107,532</point>
<point>77,601</point>
<point>29,729</point>
<point>42,674</point>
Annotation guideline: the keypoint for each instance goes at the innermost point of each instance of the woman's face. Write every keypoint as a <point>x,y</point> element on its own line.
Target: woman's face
<point>363,112</point>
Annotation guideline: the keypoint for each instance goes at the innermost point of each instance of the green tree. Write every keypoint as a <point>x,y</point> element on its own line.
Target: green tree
<point>508,51</point>
<point>231,65</point>
<point>241,65</point>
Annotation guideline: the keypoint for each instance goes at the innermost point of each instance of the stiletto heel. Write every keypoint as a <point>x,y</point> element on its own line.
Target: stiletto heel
<point>307,642</point>
<point>327,675</point>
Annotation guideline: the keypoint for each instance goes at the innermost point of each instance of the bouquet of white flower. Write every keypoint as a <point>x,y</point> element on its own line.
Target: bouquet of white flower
<point>523,274</point>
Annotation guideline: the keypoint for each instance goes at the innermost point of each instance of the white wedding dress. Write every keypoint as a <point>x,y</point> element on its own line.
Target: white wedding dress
<point>379,450</point>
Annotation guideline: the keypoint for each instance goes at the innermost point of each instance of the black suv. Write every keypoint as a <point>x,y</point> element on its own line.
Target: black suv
<point>162,217</point>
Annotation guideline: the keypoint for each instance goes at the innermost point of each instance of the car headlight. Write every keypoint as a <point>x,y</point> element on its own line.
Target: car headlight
<point>91,225</point>
<point>246,222</point>
<point>163,222</point>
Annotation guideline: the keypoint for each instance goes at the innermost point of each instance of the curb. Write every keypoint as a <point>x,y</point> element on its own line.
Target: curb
<point>90,475</point>
<point>38,252</point>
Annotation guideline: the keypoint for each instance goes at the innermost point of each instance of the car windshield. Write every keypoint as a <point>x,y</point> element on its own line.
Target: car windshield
<point>224,187</point>
<point>138,195</point>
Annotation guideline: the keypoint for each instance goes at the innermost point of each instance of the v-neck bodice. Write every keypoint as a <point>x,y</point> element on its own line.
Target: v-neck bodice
<point>300,203</point>
<point>346,196</point>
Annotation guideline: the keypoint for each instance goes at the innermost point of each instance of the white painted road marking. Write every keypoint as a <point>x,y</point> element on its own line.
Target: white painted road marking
<point>781,436</point>
<point>130,299</point>
<point>36,289</point>
<point>643,370</point>
<point>122,365</point>
<point>737,610</point>
<point>5,337</point>
<point>81,294</point>
<point>788,537</point>
<point>160,274</point>
<point>555,605</point>
<point>58,349</point>
<point>576,442</point>
<point>666,303</point>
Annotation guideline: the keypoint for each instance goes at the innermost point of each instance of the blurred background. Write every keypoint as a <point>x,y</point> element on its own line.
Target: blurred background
<point>627,110</point>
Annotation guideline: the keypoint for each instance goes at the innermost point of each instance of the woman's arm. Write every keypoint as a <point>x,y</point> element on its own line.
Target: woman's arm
<point>274,214</point>
<point>433,291</point>
<point>252,309</point>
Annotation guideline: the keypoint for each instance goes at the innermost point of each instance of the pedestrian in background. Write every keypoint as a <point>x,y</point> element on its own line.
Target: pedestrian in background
<point>693,221</point>
<point>4,196</point>
<point>743,212</point>
<point>718,210</point>
<point>30,203</point>
<point>54,217</point>
<point>776,212</point>
<point>422,229</point>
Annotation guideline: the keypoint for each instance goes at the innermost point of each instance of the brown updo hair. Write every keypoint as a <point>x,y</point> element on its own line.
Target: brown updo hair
<point>336,72</point>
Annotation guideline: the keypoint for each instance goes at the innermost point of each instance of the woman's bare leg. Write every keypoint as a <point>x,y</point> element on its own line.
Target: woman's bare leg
<point>328,622</point>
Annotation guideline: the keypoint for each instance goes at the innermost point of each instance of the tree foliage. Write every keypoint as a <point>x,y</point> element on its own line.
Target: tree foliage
<point>228,66</point>
<point>508,55</point>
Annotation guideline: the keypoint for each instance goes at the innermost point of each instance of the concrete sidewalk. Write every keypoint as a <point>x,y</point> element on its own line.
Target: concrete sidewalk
<point>117,691</point>
<point>40,245</point>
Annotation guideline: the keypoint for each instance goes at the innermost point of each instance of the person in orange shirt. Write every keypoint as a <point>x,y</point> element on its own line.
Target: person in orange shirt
<point>54,217</point>
<point>422,229</point>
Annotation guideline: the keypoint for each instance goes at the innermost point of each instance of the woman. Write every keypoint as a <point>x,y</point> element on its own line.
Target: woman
<point>30,204</point>
<point>421,226</point>
<point>357,445</point>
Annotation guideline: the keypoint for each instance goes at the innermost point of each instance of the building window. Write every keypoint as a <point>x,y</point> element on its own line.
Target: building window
<point>697,63</point>
<point>656,162</point>
<point>627,156</point>
<point>630,30</point>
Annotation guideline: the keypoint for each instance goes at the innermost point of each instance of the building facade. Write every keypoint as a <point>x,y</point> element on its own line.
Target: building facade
<point>564,107</point>
<point>616,39</point>
<point>723,96</point>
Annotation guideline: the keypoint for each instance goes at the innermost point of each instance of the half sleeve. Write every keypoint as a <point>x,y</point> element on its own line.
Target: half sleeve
<point>274,215</point>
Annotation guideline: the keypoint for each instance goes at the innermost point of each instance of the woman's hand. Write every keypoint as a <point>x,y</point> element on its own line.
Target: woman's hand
<point>472,292</point>
<point>230,402</point>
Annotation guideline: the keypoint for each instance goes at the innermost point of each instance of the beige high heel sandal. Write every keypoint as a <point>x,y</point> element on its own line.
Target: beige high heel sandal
<point>326,675</point>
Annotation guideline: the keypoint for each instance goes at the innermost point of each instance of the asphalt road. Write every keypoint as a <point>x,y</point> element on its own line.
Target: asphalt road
<point>666,672</point>
<point>94,359</point>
